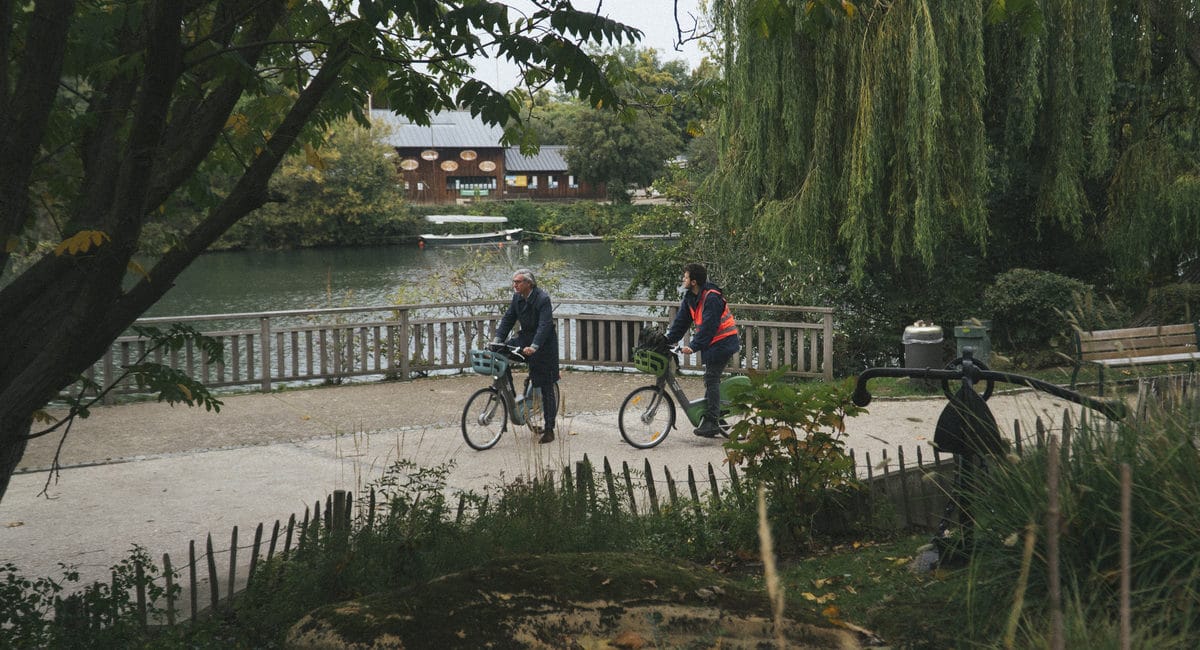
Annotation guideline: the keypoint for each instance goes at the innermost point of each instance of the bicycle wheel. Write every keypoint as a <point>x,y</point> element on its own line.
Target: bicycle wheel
<point>646,417</point>
<point>484,419</point>
<point>531,407</point>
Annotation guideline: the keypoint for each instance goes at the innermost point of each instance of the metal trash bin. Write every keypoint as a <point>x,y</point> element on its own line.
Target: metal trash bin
<point>923,349</point>
<point>974,334</point>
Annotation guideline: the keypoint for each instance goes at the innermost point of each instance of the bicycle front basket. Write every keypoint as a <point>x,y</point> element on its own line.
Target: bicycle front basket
<point>486,362</point>
<point>650,362</point>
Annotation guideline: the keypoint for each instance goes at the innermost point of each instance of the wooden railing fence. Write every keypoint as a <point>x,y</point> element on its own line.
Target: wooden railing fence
<point>906,492</point>
<point>265,349</point>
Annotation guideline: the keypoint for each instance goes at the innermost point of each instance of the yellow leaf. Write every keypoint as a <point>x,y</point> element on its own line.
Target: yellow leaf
<point>312,157</point>
<point>821,582</point>
<point>43,417</point>
<point>134,267</point>
<point>808,595</point>
<point>238,122</point>
<point>184,389</point>
<point>849,8</point>
<point>831,612</point>
<point>81,242</point>
<point>11,244</point>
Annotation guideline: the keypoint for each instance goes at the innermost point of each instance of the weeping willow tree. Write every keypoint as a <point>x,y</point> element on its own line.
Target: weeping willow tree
<point>898,138</point>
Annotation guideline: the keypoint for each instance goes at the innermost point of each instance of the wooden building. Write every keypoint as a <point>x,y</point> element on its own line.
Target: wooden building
<point>458,158</point>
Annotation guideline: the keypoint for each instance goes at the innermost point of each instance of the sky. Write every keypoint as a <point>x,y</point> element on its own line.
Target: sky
<point>656,19</point>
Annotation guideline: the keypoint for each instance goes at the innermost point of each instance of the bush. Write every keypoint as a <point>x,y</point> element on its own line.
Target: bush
<point>792,443</point>
<point>1030,313</point>
<point>1173,303</point>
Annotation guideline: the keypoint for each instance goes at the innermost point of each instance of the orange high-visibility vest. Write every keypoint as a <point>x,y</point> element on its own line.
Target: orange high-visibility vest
<point>725,329</point>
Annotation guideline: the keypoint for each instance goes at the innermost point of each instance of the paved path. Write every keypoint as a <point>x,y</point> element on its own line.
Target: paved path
<point>162,476</point>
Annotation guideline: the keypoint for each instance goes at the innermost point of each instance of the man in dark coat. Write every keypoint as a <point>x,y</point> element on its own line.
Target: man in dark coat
<point>537,339</point>
<point>716,337</point>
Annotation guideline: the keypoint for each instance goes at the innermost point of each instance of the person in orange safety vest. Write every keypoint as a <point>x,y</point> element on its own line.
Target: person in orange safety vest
<point>715,338</point>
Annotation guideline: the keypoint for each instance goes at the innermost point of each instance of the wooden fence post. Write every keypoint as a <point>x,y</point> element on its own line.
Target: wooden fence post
<point>1066,434</point>
<point>233,551</point>
<point>287,544</point>
<point>274,540</point>
<point>1017,437</point>
<point>712,486</point>
<point>258,533</point>
<point>193,588</point>
<point>214,588</point>
<point>737,485</point>
<point>139,573</point>
<point>169,574</point>
<point>337,519</point>
<point>629,488</point>
<point>870,491</point>
<point>650,488</point>
<point>671,486</point>
<point>612,488</point>
<point>904,496</point>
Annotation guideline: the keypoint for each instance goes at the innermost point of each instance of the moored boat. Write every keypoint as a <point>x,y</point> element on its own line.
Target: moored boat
<point>509,235</point>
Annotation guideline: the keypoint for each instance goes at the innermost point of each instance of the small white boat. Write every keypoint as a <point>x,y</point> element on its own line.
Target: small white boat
<point>509,235</point>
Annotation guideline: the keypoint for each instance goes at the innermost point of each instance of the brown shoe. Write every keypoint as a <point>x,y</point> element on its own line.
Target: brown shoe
<point>546,437</point>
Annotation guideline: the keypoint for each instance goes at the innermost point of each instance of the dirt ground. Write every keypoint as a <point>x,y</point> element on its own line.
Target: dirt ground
<point>161,476</point>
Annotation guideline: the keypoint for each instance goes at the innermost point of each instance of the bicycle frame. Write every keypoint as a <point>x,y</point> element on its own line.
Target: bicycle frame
<point>503,383</point>
<point>693,408</point>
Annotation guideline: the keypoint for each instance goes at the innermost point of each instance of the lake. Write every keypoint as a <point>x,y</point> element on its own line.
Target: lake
<point>252,281</point>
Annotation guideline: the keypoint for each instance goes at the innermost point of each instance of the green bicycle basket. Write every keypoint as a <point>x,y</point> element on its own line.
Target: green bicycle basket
<point>486,362</point>
<point>650,362</point>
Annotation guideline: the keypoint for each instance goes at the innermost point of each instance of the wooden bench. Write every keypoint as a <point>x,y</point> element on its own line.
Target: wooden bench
<point>1136,346</point>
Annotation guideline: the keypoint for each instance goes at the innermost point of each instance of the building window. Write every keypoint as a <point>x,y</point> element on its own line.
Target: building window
<point>533,182</point>
<point>470,182</point>
<point>572,182</point>
<point>552,182</point>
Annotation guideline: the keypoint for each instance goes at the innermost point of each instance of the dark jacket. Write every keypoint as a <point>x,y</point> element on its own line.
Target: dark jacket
<point>710,318</point>
<point>536,316</point>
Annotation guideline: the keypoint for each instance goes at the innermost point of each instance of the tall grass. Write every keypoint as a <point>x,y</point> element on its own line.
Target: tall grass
<point>1165,462</point>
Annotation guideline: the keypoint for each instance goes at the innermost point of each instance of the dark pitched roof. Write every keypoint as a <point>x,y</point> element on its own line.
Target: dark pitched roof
<point>446,129</point>
<point>548,159</point>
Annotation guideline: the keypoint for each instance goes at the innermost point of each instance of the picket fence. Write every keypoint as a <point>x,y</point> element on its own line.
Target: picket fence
<point>909,492</point>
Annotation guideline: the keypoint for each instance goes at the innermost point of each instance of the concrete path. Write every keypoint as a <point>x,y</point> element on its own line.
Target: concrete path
<point>161,476</point>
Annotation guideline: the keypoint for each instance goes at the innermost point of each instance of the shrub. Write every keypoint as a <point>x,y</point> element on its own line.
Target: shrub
<point>792,442</point>
<point>1173,303</point>
<point>1029,311</point>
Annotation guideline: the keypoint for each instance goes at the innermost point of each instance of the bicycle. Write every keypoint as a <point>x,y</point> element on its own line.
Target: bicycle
<point>648,413</point>
<point>489,410</point>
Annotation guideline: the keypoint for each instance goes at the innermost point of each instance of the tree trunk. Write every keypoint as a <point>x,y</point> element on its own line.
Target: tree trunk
<point>12,445</point>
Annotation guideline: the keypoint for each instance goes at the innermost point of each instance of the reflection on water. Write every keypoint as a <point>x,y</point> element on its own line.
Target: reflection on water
<point>241,281</point>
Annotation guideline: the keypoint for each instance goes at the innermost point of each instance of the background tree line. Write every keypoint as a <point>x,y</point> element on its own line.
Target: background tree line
<point>895,160</point>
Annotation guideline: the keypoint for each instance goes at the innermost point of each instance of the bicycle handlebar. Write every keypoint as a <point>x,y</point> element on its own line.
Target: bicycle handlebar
<point>511,351</point>
<point>1112,409</point>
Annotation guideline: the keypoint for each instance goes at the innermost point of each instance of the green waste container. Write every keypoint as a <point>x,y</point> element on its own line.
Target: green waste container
<point>974,335</point>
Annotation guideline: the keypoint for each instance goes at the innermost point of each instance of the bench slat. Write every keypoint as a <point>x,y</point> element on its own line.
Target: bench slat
<point>1140,348</point>
<point>1138,332</point>
<point>1123,362</point>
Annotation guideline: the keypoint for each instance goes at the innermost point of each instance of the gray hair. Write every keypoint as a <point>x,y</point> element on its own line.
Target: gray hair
<point>526,274</point>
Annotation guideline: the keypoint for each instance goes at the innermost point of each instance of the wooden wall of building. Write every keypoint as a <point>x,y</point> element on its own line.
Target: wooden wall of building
<point>480,175</point>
